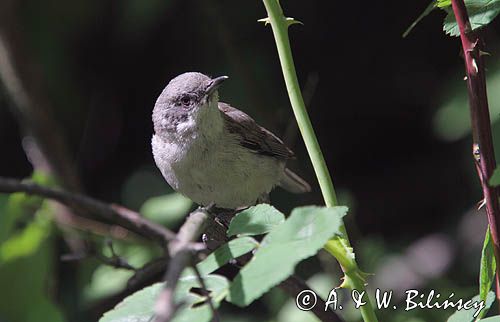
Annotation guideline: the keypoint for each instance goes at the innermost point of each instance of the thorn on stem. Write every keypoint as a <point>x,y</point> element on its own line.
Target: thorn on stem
<point>291,21</point>
<point>474,64</point>
<point>266,21</point>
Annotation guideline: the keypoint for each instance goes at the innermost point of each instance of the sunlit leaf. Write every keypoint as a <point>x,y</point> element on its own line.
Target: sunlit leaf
<point>301,236</point>
<point>255,220</point>
<point>139,307</point>
<point>27,241</point>
<point>106,280</point>
<point>443,3</point>
<point>481,13</point>
<point>488,269</point>
<point>464,315</point>
<point>225,253</point>
<point>20,206</point>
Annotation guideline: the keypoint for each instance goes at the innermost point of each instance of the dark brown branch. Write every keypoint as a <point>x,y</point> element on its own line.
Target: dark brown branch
<point>115,213</point>
<point>180,251</point>
<point>483,151</point>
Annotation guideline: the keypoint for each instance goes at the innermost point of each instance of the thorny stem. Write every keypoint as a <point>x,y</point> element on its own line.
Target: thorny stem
<point>338,246</point>
<point>484,154</point>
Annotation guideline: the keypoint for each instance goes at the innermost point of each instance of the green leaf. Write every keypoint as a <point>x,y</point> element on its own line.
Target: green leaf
<point>301,236</point>
<point>139,307</point>
<point>452,120</point>
<point>27,241</point>
<point>256,220</point>
<point>488,269</point>
<point>443,3</point>
<point>167,210</point>
<point>495,318</point>
<point>225,253</point>
<point>427,10</point>
<point>25,282</point>
<point>481,13</point>
<point>106,280</point>
<point>468,315</point>
<point>20,206</point>
<point>495,178</point>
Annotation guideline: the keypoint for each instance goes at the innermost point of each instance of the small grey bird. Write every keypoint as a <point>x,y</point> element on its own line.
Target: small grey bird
<point>214,153</point>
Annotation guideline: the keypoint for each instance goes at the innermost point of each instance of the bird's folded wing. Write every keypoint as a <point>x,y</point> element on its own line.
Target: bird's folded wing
<point>253,136</point>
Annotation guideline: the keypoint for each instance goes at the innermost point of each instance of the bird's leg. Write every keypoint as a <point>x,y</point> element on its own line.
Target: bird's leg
<point>264,198</point>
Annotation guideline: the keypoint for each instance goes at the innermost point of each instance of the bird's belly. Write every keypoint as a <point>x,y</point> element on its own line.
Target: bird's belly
<point>230,178</point>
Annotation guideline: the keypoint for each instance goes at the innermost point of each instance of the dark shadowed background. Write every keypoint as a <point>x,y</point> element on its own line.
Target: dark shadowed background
<point>390,114</point>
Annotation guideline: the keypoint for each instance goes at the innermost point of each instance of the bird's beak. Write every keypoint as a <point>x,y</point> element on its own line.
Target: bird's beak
<point>214,84</point>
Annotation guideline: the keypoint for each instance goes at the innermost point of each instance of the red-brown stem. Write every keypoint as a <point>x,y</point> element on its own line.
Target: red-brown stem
<point>480,121</point>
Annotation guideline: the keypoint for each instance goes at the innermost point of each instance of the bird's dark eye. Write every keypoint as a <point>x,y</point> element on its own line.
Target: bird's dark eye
<point>185,100</point>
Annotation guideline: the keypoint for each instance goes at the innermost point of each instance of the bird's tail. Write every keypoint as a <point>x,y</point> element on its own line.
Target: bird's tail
<point>293,183</point>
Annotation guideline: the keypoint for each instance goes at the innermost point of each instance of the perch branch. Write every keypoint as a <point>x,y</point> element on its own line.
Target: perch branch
<point>180,252</point>
<point>127,218</point>
<point>483,152</point>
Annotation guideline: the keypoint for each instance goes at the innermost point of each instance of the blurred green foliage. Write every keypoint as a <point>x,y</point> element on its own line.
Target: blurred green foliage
<point>452,119</point>
<point>27,251</point>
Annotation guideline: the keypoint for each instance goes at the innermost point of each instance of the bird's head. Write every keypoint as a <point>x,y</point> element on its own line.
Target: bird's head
<point>187,100</point>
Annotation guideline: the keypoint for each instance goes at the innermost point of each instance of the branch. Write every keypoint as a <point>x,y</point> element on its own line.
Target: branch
<point>114,260</point>
<point>483,151</point>
<point>180,252</point>
<point>112,212</point>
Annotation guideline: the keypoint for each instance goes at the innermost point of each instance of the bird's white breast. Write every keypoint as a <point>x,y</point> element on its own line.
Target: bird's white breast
<point>219,171</point>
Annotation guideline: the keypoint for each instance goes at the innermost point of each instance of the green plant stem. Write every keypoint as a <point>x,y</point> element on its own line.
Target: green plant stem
<point>338,246</point>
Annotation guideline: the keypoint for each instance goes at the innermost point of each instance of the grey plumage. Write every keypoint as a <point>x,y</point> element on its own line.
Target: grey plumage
<point>215,153</point>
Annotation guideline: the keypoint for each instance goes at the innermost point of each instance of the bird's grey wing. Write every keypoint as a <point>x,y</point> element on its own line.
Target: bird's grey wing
<point>253,136</point>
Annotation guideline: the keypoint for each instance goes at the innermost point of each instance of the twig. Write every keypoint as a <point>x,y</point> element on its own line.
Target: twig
<point>112,212</point>
<point>156,267</point>
<point>68,220</point>
<point>215,315</point>
<point>483,151</point>
<point>115,260</point>
<point>180,251</point>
